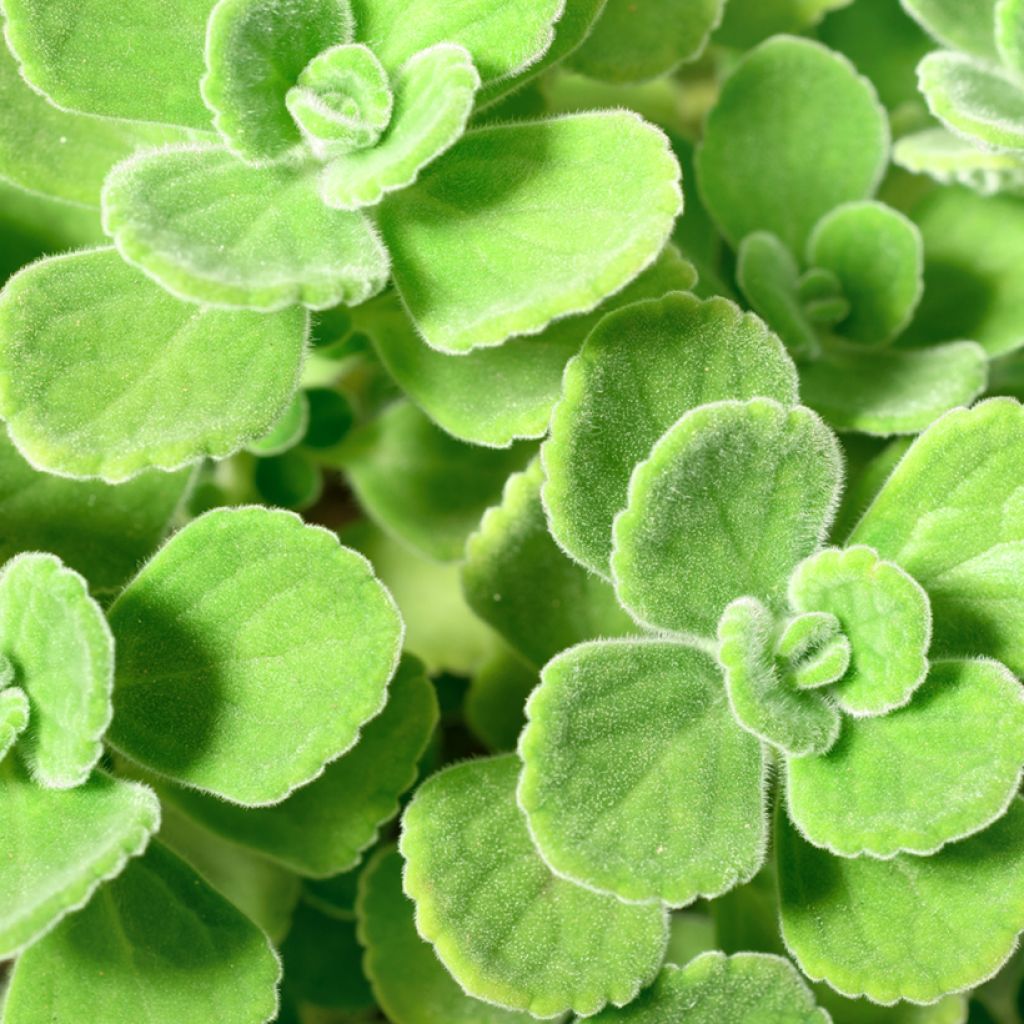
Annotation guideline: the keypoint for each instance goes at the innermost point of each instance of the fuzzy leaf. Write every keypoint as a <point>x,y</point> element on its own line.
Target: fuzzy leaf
<point>508,930</point>
<point>953,160</point>
<point>636,779</point>
<point>1010,33</point>
<point>145,64</point>
<point>220,665</point>
<point>14,715</point>
<point>748,988</point>
<point>730,499</point>
<point>59,845</point>
<point>480,256</point>
<point>795,133</point>
<point>212,229</point>
<point>748,22</point>
<point>433,94</point>
<point>968,27</point>
<point>255,51</point>
<point>911,928</point>
<point>952,515</point>
<point>287,431</point>
<point>944,767</point>
<point>157,941</point>
<point>146,380</point>
<point>322,828</point>
<point>57,639</point>
<point>638,372</point>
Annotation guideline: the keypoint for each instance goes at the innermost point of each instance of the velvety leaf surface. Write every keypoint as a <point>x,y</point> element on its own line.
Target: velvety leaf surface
<point>479,256</point>
<point>59,845</point>
<point>954,160</point>
<point>961,26</point>
<point>636,778</point>
<point>795,133</point>
<point>158,946</point>
<point>287,431</point>
<point>57,639</point>
<point>212,229</point>
<point>731,498</point>
<point>911,928</point>
<point>639,371</point>
<point>220,665</point>
<point>14,715</point>
<point>1010,34</point>
<point>102,373</point>
<point>508,930</point>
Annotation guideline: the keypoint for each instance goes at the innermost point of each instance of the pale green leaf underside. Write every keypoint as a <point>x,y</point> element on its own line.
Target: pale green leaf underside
<point>912,928</point>
<point>729,501</point>
<point>953,160</point>
<point>220,665</point>
<point>747,988</point>
<point>963,26</point>
<point>508,930</point>
<point>56,637</point>
<point>942,768</point>
<point>886,617</point>
<point>640,370</point>
<point>104,374</point>
<point>409,982</point>
<point>156,945</point>
<point>480,255</point>
<point>212,229</point>
<point>59,845</point>
<point>636,779</point>
<point>322,828</point>
<point>434,93</point>
<point>14,715</point>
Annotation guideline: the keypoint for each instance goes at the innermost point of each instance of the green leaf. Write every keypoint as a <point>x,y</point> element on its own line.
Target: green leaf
<point>950,1010</point>
<point>940,769</point>
<point>639,371</point>
<point>59,845</point>
<point>323,828</point>
<point>952,515</point>
<point>212,229</point>
<point>493,396</point>
<point>291,480</point>
<point>149,381</point>
<point>480,256</point>
<point>255,52</point>
<point>636,779</point>
<point>968,27</point>
<point>795,133</point>
<point>729,501</point>
<point>495,705</point>
<point>411,985</point>
<point>1010,33</point>
<point>892,391</point>
<point>434,92</point>
<point>287,431</point>
<point>508,930</point>
<point>144,64</point>
<point>952,160</point>
<point>912,928</point>
<point>57,639</point>
<point>517,579</point>
<point>636,42</point>
<point>157,941</point>
<point>14,714</point>
<point>220,665</point>
<point>748,988</point>
<point>748,22</point>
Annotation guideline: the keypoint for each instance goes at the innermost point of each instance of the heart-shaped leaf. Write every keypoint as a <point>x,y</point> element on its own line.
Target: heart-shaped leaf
<point>953,160</point>
<point>968,27</point>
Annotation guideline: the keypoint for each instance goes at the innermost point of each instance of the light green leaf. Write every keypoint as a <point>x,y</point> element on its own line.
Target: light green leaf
<point>493,396</point>
<point>952,515</point>
<point>212,229</point>
<point>892,391</point>
<point>968,27</point>
<point>943,768</point>
<point>57,639</point>
<point>636,779</point>
<point>148,380</point>
<point>59,845</point>
<point>411,985</point>
<point>434,92</point>
<point>480,255</point>
<point>1010,33</point>
<point>748,22</point>
<point>323,828</point>
<point>639,371</point>
<point>144,64</point>
<point>748,988</point>
<point>508,930</point>
<point>952,160</point>
<point>950,1010</point>
<point>255,52</point>
<point>287,431</point>
<point>729,501</point>
<point>795,133</point>
<point>635,42</point>
<point>815,648</point>
<point>157,941</point>
<point>14,715</point>
<point>912,928</point>
<point>220,665</point>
